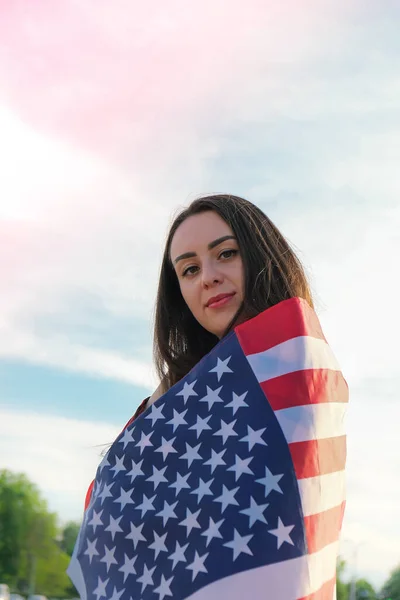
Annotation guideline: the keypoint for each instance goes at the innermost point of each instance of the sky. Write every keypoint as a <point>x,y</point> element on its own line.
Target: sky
<point>113,116</point>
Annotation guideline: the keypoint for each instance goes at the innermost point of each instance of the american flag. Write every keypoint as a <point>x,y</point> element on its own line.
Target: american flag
<point>231,485</point>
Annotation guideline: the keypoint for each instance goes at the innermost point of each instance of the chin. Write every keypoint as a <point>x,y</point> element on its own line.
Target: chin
<point>219,324</point>
<point>220,328</point>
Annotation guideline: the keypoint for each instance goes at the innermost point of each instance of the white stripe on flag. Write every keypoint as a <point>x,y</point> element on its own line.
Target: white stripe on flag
<point>289,580</point>
<point>297,354</point>
<point>322,493</point>
<point>312,421</point>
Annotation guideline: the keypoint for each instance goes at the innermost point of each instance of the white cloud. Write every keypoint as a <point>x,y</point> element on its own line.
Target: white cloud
<point>59,455</point>
<point>60,353</point>
<point>372,517</point>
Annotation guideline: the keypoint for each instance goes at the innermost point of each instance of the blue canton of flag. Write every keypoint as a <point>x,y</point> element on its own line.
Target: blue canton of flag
<point>199,487</point>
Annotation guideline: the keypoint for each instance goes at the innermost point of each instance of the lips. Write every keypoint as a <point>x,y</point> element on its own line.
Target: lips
<point>216,299</point>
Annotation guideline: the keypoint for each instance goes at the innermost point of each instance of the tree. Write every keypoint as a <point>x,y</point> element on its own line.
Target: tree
<point>23,514</point>
<point>364,590</point>
<point>342,589</point>
<point>52,579</point>
<point>391,589</point>
<point>30,558</point>
<point>69,536</point>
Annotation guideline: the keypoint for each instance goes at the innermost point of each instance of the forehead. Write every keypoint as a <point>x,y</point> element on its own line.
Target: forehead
<point>197,231</point>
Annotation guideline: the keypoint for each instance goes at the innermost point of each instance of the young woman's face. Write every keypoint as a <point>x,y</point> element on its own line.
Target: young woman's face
<point>206,258</point>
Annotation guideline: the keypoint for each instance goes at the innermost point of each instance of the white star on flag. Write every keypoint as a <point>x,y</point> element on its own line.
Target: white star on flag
<point>114,527</point>
<point>105,492</point>
<point>108,557</point>
<point>147,504</point>
<point>216,459</point>
<point>128,566</point>
<point>91,550</point>
<point>191,453</point>
<point>144,441</point>
<point>159,544</point>
<point>201,425</point>
<point>237,402</point>
<point>282,533</point>
<point>164,588</point>
<point>155,414</point>
<point>197,566</point>
<point>146,578</point>
<point>270,482</point>
<point>188,390</point>
<point>136,470</point>
<point>227,497</point>
<point>167,512</point>
<point>100,591</point>
<point>95,520</point>
<point>213,530</point>
<point>119,466</point>
<point>125,498</point>
<point>116,595</point>
<point>212,396</point>
<point>222,367</point>
<point>239,544</point>
<point>191,521</point>
<point>166,447</point>
<point>136,534</point>
<point>254,437</point>
<point>180,483</point>
<point>177,419</point>
<point>255,512</point>
<point>127,437</point>
<point>157,477</point>
<point>226,430</point>
<point>203,489</point>
<point>178,555</point>
<point>241,466</point>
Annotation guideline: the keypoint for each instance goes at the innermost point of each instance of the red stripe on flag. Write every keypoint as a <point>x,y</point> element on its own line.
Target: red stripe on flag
<point>312,386</point>
<point>325,592</point>
<point>323,528</point>
<point>318,457</point>
<point>89,494</point>
<point>284,321</point>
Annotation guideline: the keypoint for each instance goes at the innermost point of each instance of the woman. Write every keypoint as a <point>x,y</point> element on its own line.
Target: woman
<point>264,272</point>
<point>233,304</point>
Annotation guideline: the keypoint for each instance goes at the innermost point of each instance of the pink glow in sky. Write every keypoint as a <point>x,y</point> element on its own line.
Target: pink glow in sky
<point>117,76</point>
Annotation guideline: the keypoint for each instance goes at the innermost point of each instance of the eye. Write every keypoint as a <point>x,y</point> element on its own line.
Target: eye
<point>189,271</point>
<point>228,254</point>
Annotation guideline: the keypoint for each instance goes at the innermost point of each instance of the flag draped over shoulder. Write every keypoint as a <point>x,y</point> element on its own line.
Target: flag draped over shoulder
<point>232,484</point>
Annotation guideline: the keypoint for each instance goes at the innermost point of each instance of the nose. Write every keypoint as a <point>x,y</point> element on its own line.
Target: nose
<point>211,275</point>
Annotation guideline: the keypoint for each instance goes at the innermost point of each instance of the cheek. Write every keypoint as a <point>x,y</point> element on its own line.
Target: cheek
<point>238,275</point>
<point>189,295</point>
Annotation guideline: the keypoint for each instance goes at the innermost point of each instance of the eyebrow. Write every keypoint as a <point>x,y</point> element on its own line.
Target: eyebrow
<point>211,245</point>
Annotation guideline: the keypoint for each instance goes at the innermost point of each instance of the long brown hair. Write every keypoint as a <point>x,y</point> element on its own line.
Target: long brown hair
<point>272,273</point>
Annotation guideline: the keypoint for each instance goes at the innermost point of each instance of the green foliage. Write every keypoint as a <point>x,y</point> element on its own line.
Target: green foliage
<point>52,579</point>
<point>391,588</point>
<point>69,535</point>
<point>30,558</point>
<point>364,590</point>
<point>342,589</point>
